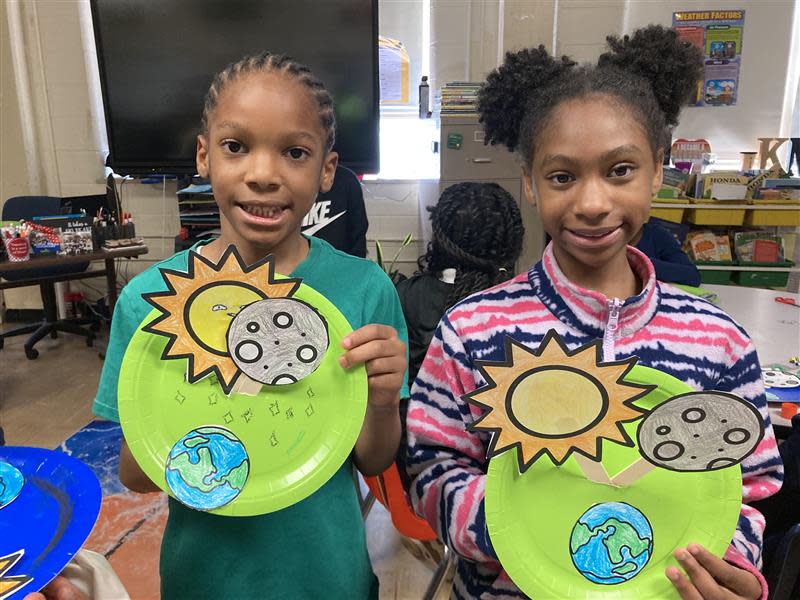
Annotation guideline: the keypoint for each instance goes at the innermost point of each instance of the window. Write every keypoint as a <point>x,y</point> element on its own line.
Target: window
<point>407,22</point>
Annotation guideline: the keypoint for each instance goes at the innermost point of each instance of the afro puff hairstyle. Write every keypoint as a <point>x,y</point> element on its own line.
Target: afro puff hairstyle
<point>651,72</point>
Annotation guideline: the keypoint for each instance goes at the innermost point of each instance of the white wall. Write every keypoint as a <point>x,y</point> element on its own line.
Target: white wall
<point>71,164</point>
<point>765,59</point>
<point>464,45</point>
<point>14,177</point>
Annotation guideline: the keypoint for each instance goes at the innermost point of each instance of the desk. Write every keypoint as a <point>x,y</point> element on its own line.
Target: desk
<point>773,327</point>
<point>109,271</point>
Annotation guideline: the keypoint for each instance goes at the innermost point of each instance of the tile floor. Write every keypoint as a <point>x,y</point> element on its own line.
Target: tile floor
<point>47,403</point>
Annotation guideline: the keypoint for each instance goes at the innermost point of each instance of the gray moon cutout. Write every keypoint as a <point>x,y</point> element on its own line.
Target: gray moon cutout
<point>277,341</point>
<point>700,431</point>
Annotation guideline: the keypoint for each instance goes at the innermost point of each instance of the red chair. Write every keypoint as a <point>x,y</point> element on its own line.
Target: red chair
<point>388,489</point>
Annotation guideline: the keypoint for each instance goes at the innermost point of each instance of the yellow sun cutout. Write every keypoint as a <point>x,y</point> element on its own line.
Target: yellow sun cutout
<point>200,304</point>
<point>11,583</point>
<point>555,401</point>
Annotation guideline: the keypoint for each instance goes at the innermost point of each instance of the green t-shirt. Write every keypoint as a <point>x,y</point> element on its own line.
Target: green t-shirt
<point>313,549</point>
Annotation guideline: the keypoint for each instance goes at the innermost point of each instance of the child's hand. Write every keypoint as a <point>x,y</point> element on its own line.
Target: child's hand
<point>710,577</point>
<point>58,589</point>
<point>379,348</point>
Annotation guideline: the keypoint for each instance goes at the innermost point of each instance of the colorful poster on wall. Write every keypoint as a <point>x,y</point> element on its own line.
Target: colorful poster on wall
<point>393,68</point>
<point>718,34</point>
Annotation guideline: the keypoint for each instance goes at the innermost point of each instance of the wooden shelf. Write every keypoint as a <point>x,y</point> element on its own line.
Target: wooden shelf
<point>725,206</point>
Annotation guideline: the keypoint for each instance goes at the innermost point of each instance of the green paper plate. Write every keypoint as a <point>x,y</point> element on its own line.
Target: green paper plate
<point>295,436</point>
<point>531,517</point>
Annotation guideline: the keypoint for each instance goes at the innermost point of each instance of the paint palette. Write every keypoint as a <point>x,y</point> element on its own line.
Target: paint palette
<point>53,513</point>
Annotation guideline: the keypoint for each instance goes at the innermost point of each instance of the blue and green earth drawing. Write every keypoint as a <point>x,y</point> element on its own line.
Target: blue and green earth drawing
<point>611,543</point>
<point>207,468</point>
<point>11,482</point>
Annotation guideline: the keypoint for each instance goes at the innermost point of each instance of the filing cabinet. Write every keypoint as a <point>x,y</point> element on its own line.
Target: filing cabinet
<point>464,157</point>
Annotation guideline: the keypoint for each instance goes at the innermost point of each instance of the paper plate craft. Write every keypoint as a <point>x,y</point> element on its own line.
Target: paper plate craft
<point>231,396</point>
<point>57,500</point>
<point>574,507</point>
<point>781,383</point>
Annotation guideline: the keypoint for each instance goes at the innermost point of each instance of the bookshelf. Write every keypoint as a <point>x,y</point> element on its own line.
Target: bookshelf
<point>726,205</point>
<point>733,215</point>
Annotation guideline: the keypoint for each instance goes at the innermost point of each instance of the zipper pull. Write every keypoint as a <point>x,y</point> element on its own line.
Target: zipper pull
<point>613,314</point>
<point>609,334</point>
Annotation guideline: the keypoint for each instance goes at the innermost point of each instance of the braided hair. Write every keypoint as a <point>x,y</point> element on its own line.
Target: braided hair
<point>651,72</point>
<point>477,229</point>
<point>280,64</point>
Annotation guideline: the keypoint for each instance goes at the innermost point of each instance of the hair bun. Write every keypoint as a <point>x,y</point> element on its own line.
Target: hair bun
<point>502,99</point>
<point>655,53</point>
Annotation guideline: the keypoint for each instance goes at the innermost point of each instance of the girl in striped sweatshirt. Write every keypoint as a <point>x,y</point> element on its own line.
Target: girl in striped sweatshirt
<point>591,140</point>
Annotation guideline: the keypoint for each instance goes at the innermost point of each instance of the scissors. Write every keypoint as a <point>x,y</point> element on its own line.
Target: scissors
<point>785,300</point>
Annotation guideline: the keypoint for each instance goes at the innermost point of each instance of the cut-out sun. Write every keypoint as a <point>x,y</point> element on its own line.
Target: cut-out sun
<point>199,305</point>
<point>554,401</point>
<point>11,583</point>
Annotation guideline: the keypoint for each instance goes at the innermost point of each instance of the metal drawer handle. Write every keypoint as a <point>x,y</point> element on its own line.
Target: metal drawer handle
<point>482,160</point>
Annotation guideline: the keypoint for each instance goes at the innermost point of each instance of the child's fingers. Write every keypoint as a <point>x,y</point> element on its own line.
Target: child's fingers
<point>702,580</point>
<point>685,587</point>
<point>367,333</point>
<point>384,366</point>
<point>372,350</point>
<point>732,577</point>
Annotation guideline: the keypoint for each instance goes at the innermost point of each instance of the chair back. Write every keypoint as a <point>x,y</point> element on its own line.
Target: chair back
<point>388,489</point>
<point>27,207</point>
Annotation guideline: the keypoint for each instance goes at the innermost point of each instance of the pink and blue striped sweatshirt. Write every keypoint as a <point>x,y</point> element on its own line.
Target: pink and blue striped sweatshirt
<point>666,328</point>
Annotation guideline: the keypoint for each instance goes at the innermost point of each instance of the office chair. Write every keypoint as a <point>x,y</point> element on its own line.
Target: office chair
<point>27,207</point>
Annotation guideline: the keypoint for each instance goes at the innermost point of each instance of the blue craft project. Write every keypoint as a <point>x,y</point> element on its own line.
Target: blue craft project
<point>48,521</point>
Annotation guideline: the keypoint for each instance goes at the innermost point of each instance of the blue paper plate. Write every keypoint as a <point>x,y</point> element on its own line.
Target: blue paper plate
<point>49,520</point>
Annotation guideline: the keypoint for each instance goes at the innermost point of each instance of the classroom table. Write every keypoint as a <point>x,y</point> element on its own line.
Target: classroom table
<point>774,327</point>
<point>109,270</point>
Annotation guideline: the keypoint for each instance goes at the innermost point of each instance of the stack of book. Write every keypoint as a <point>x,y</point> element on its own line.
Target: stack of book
<point>459,98</point>
<point>779,189</point>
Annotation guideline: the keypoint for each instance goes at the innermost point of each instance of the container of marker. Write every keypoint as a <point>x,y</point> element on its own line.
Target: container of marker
<point>18,247</point>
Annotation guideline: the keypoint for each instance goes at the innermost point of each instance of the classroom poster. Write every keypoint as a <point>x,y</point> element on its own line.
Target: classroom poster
<point>718,34</point>
<point>393,66</point>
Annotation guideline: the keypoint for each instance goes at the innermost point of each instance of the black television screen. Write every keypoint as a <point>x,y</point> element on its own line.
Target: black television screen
<point>157,59</point>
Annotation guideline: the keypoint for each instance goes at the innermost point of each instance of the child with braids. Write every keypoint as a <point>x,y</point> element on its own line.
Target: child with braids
<point>477,238</point>
<point>589,138</point>
<point>266,145</point>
